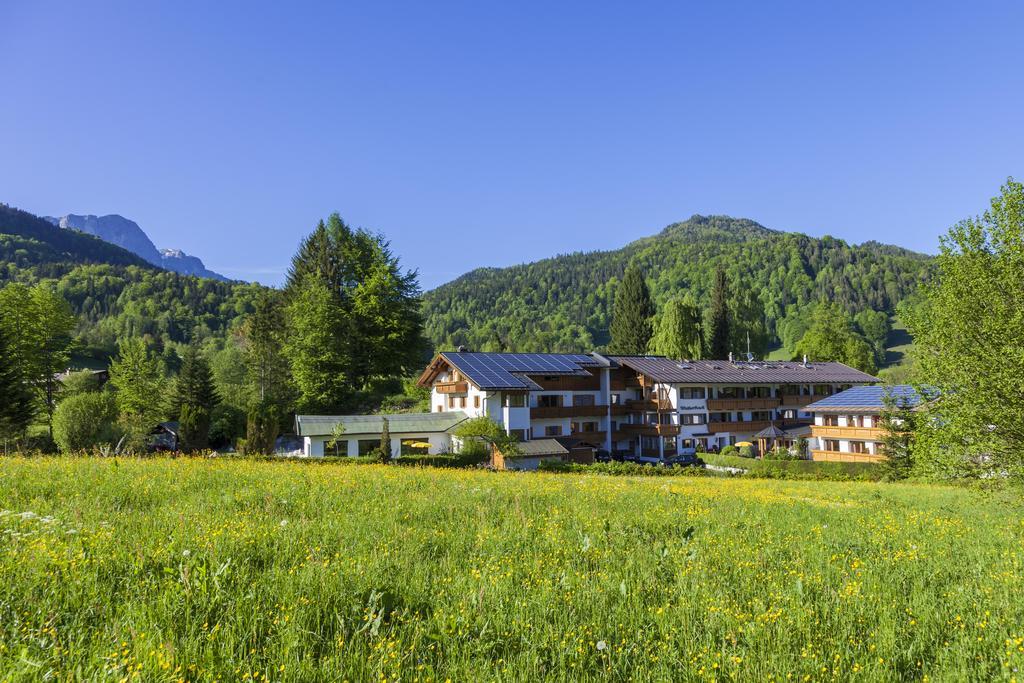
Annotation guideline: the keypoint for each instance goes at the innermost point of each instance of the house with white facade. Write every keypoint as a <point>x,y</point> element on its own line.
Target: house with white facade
<point>640,406</point>
<point>848,426</point>
<point>411,433</point>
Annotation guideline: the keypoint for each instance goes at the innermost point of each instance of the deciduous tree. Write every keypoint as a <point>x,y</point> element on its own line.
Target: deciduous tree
<point>678,333</point>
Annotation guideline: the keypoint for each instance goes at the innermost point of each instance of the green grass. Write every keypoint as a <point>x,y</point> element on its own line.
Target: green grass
<point>164,570</point>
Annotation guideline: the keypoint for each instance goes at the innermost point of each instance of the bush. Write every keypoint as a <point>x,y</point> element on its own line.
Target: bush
<point>227,424</point>
<point>746,451</point>
<point>622,469</point>
<point>84,421</point>
<point>781,454</point>
<point>443,460</point>
<point>729,450</point>
<point>800,469</point>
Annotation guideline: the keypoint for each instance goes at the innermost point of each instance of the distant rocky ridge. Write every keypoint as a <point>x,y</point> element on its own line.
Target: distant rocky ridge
<point>128,235</point>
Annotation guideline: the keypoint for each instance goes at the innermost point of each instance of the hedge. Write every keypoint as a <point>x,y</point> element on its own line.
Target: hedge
<point>450,460</point>
<point>623,469</point>
<point>799,469</point>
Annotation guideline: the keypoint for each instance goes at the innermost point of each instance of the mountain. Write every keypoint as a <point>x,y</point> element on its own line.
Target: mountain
<point>27,241</point>
<point>114,292</point>
<point>127,234</point>
<point>563,303</point>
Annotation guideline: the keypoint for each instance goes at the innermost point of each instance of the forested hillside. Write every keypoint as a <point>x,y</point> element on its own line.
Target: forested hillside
<point>113,292</point>
<point>564,303</point>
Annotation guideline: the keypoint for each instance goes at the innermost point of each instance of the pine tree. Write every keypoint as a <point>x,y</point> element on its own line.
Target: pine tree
<point>718,336</point>
<point>898,428</point>
<point>351,309</point>
<point>138,377</point>
<point>678,334</point>
<point>16,409</point>
<point>631,326</point>
<point>194,400</point>
<point>194,386</point>
<point>263,426</point>
<point>385,442</point>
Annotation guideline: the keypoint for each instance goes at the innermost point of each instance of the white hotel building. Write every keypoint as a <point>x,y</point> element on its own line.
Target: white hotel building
<point>646,406</point>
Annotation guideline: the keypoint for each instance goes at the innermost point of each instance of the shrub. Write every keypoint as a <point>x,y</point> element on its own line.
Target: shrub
<point>227,424</point>
<point>729,450</point>
<point>800,469</point>
<point>746,451</point>
<point>622,469</point>
<point>84,421</point>
<point>443,460</point>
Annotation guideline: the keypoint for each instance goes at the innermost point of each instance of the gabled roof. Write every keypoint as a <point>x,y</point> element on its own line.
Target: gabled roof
<point>867,399</point>
<point>668,371</point>
<point>539,448</point>
<point>508,371</point>
<point>398,423</point>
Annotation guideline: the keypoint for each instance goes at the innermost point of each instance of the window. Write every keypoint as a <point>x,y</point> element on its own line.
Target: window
<point>788,414</point>
<point>515,400</point>
<point>451,402</point>
<point>549,401</point>
<point>721,417</point>
<point>583,399</point>
<point>691,392</point>
<point>791,390</point>
<point>553,430</point>
<point>415,447</point>
<point>731,392</point>
<point>616,399</point>
<point>822,390</point>
<point>695,419</point>
<point>760,392</point>
<point>462,401</point>
<point>518,434</point>
<point>440,409</point>
<point>761,415</point>
<point>858,447</point>
<point>830,445</point>
<point>476,401</point>
<point>830,420</point>
<point>367,445</point>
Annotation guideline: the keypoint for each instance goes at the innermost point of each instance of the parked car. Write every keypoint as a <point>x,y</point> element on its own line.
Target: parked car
<point>683,460</point>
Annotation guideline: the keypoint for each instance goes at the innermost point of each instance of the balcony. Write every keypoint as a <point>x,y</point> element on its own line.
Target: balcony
<point>650,429</point>
<point>742,403</point>
<point>799,400</point>
<point>648,404</point>
<point>593,437</point>
<point>860,433</point>
<point>452,387</point>
<point>547,412</point>
<point>839,456</point>
<point>738,427</point>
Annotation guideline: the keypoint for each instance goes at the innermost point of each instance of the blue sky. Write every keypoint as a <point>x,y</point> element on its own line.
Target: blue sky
<point>477,134</point>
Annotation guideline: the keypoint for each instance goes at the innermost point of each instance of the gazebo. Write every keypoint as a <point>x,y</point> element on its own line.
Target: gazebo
<point>770,433</point>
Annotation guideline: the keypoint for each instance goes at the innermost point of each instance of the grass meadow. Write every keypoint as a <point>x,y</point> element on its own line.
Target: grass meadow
<point>167,570</point>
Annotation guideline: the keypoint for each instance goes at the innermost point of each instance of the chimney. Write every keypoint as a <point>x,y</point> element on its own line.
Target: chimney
<point>730,356</point>
<point>805,360</point>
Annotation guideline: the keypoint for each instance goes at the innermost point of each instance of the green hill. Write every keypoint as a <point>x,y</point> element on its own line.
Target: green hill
<point>563,303</point>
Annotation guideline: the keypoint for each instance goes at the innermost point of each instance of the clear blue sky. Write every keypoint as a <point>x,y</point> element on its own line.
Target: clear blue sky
<point>479,134</point>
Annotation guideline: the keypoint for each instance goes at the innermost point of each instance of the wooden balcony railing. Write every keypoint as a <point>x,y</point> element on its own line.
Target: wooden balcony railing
<point>799,400</point>
<point>452,387</point>
<point>742,403</point>
<point>648,404</point>
<point>594,437</point>
<point>651,429</point>
<point>837,456</point>
<point>859,433</point>
<point>738,427</point>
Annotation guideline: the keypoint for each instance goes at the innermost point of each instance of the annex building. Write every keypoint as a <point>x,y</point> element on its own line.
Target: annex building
<point>848,426</point>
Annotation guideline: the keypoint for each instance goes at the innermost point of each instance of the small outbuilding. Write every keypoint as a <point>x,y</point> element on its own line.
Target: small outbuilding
<point>531,453</point>
<point>411,433</point>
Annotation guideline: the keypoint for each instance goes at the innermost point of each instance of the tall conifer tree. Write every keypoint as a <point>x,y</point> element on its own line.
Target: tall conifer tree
<point>631,326</point>
<point>15,401</point>
<point>194,399</point>
<point>718,318</point>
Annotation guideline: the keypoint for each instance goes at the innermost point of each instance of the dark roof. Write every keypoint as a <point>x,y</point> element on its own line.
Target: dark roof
<point>540,447</point>
<point>507,371</point>
<point>671,371</point>
<point>862,399</point>
<point>398,423</point>
<point>771,432</point>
